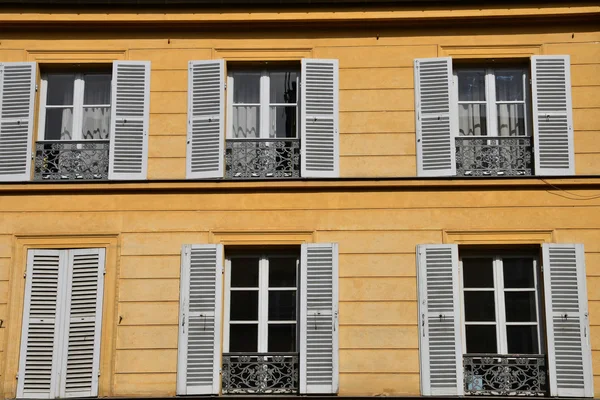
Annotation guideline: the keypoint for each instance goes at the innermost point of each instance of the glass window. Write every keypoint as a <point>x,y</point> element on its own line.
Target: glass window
<point>501,312</point>
<point>263,303</point>
<point>75,106</point>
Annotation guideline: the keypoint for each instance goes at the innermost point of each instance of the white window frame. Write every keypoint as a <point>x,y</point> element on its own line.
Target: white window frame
<point>264,104</point>
<point>263,298</point>
<point>499,290</point>
<point>490,98</point>
<point>78,105</point>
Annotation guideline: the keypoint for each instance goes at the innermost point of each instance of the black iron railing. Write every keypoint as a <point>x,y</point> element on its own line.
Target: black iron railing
<point>505,374</point>
<point>262,158</point>
<point>71,160</point>
<point>260,373</point>
<point>494,156</point>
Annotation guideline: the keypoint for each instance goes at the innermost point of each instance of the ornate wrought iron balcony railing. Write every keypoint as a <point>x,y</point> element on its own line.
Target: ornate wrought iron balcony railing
<point>71,160</point>
<point>494,156</point>
<point>505,375</point>
<point>262,158</point>
<point>260,373</point>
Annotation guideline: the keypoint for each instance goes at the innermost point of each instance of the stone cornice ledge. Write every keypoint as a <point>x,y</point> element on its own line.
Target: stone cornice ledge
<point>339,184</point>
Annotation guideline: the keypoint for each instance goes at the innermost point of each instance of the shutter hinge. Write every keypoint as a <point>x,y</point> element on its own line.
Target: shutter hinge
<point>36,87</point>
<point>225,86</point>
<point>104,271</point>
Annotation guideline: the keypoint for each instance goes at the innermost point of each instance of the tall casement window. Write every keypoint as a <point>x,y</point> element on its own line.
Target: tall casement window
<point>279,318</point>
<point>499,322</point>
<point>92,122</point>
<point>62,318</point>
<point>272,121</point>
<point>494,119</point>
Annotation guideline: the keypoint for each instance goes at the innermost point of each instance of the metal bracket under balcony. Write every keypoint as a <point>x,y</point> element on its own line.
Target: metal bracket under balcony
<point>71,160</point>
<point>260,373</point>
<point>494,156</point>
<point>505,375</point>
<point>262,158</point>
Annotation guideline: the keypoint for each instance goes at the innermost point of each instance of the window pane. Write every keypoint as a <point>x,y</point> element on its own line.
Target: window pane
<point>520,306</point>
<point>282,122</point>
<point>60,89</point>
<point>471,85</point>
<point>481,339</point>
<point>518,273</point>
<point>282,338</point>
<point>478,272</point>
<point>472,120</point>
<point>244,305</point>
<point>522,339</point>
<point>246,87</point>
<point>59,124</point>
<point>480,306</point>
<point>282,272</point>
<point>244,272</point>
<point>283,87</point>
<point>97,89</point>
<point>282,305</point>
<point>511,120</point>
<point>243,338</point>
<point>96,122</point>
<point>246,122</point>
<point>509,85</point>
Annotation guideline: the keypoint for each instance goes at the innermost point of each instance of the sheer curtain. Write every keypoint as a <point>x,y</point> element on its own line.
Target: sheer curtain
<point>246,100</point>
<point>509,88</point>
<point>96,113</point>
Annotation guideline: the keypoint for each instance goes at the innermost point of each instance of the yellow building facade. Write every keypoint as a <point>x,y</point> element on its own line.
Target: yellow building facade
<point>385,193</point>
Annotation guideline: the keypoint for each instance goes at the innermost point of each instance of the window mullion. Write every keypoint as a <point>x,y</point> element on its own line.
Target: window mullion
<point>227,305</point>
<point>492,113</point>
<point>264,105</point>
<point>78,88</point>
<point>229,114</point>
<point>43,101</point>
<point>263,301</point>
<point>500,306</point>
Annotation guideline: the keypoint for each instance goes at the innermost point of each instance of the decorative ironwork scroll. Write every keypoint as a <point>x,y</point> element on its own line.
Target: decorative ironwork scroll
<point>505,375</point>
<point>494,156</point>
<point>71,160</point>
<point>262,158</point>
<point>260,373</point>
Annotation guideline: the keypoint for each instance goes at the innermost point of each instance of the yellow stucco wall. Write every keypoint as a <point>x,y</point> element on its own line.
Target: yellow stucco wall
<point>377,225</point>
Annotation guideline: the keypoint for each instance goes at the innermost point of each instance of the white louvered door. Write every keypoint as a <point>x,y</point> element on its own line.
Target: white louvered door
<point>199,357</point>
<point>85,286</point>
<point>38,366</point>
<point>319,119</point>
<point>206,122</point>
<point>567,321</point>
<point>129,120</point>
<point>552,115</point>
<point>436,123</point>
<point>17,91</point>
<point>60,342</point>
<point>319,365</point>
<point>439,320</point>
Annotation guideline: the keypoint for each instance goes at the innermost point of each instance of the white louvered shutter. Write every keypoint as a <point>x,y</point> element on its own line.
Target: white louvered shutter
<point>319,119</point>
<point>40,333</point>
<point>567,322</point>
<point>436,123</point>
<point>83,323</point>
<point>206,121</point>
<point>552,115</point>
<point>319,368</point>
<point>439,320</point>
<point>199,357</point>
<point>17,91</point>
<point>130,110</point>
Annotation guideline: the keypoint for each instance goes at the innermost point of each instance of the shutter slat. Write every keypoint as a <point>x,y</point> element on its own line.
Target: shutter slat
<point>320,120</point>
<point>200,320</point>
<point>206,122</point>
<point>129,120</point>
<point>319,337</point>
<point>435,123</point>
<point>439,317</point>
<point>567,321</point>
<point>552,115</point>
<point>39,339</point>
<point>84,319</point>
<point>17,91</point>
